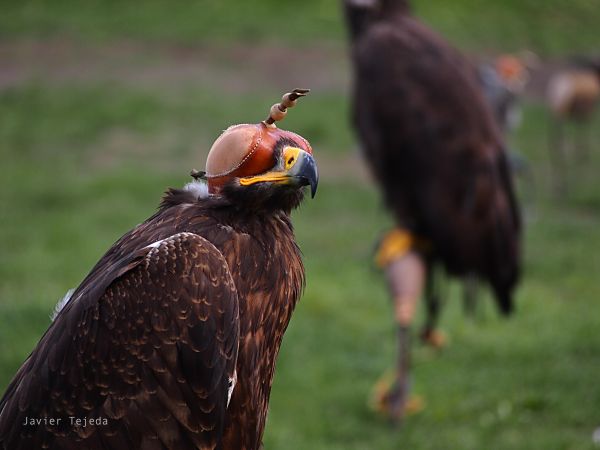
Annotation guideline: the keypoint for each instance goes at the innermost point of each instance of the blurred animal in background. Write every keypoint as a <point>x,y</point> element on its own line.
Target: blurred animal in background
<point>503,81</point>
<point>170,342</point>
<point>435,150</point>
<point>573,94</point>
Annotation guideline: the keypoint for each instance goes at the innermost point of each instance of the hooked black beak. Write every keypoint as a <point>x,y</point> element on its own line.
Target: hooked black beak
<point>305,171</point>
<point>300,169</point>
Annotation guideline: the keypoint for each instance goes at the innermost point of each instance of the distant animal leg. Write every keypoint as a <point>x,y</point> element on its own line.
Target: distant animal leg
<point>584,138</point>
<point>470,295</point>
<point>558,157</point>
<point>398,395</point>
<point>429,333</point>
<point>405,276</point>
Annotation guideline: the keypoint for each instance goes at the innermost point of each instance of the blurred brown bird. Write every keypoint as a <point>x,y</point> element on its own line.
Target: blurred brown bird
<point>434,148</point>
<point>170,342</point>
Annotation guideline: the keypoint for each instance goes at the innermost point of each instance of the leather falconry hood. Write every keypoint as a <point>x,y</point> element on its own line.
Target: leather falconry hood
<point>247,149</point>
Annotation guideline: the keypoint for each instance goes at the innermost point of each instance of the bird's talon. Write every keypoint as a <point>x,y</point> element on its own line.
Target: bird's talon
<point>392,401</point>
<point>434,338</point>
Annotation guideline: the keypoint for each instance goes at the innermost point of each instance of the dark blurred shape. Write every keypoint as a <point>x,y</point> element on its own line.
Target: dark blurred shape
<point>434,148</point>
<point>573,94</point>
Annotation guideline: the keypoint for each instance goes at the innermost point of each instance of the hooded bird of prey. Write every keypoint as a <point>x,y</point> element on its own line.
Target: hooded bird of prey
<point>170,342</point>
<point>434,148</point>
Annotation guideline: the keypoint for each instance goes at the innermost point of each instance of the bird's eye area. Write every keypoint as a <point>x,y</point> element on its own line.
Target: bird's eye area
<point>290,155</point>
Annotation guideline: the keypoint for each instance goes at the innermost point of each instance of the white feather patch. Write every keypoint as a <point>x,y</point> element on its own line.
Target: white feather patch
<point>198,188</point>
<point>232,383</point>
<point>170,238</point>
<point>61,304</point>
<point>155,244</point>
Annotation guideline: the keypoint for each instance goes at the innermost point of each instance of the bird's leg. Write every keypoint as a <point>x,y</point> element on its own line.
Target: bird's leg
<point>432,305</point>
<point>405,276</point>
<point>398,394</point>
<point>429,334</point>
<point>470,295</point>
<point>583,143</point>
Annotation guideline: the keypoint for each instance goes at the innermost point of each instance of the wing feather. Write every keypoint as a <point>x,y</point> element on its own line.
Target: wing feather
<point>147,346</point>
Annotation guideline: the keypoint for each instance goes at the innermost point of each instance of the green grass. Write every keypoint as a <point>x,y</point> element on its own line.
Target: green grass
<point>84,161</point>
<point>548,27</point>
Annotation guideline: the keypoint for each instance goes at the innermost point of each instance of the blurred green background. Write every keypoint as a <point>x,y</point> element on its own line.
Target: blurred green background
<point>104,104</point>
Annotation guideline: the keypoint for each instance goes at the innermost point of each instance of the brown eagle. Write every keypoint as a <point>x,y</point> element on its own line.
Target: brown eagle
<point>170,342</point>
<point>436,152</point>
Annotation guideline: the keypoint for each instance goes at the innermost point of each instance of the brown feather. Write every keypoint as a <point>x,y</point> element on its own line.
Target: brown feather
<point>433,146</point>
<point>150,338</point>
